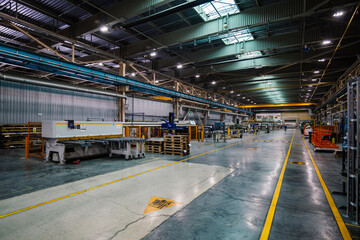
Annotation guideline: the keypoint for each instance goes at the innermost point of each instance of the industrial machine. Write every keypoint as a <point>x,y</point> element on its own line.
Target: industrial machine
<point>171,125</point>
<point>73,140</point>
<point>321,140</point>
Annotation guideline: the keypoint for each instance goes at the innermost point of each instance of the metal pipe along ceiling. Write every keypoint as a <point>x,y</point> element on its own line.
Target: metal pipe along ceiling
<point>35,61</point>
<point>54,84</point>
<point>212,110</point>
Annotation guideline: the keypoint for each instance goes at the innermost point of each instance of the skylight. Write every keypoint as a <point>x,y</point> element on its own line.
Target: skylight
<point>237,36</point>
<point>219,8</point>
<point>216,9</point>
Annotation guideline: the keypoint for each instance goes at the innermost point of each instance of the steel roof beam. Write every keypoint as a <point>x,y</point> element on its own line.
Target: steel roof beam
<point>280,11</point>
<point>46,11</point>
<point>169,11</point>
<point>287,40</point>
<point>82,5</point>
<point>276,42</point>
<point>265,61</point>
<point>246,64</point>
<point>120,12</point>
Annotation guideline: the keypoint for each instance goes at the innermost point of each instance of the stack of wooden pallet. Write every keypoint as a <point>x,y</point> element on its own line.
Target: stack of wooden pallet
<point>176,145</point>
<point>13,136</point>
<point>154,146</point>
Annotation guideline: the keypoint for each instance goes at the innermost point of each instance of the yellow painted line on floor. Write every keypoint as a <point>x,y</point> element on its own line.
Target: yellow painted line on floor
<point>118,180</point>
<point>340,222</point>
<point>270,215</point>
<point>352,225</point>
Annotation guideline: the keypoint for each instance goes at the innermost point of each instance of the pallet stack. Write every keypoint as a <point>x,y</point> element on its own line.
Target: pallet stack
<point>13,136</point>
<point>176,145</point>
<point>154,146</point>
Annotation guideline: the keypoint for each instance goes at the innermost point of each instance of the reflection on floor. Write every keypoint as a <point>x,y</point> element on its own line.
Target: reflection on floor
<point>221,191</point>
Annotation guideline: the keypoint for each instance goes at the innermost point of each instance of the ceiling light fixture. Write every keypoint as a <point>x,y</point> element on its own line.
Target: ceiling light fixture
<point>213,82</point>
<point>101,64</point>
<point>338,14</point>
<point>104,28</point>
<point>316,72</point>
<point>133,74</point>
<point>314,79</point>
<point>238,95</point>
<point>197,75</point>
<point>326,42</point>
<point>232,92</point>
<point>153,54</point>
<point>322,60</point>
<point>179,66</point>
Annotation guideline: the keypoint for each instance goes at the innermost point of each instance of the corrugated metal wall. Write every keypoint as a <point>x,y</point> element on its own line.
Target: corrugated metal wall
<point>152,110</point>
<point>20,103</point>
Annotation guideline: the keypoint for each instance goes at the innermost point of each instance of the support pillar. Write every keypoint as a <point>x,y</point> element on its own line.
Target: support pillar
<point>176,109</point>
<point>122,90</point>
<point>205,117</point>
<point>154,78</point>
<point>222,117</point>
<point>234,118</point>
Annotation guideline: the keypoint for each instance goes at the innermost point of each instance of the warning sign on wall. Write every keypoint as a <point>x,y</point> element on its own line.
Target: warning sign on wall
<point>157,203</point>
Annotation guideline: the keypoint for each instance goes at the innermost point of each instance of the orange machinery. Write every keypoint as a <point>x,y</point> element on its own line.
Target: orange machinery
<point>319,139</point>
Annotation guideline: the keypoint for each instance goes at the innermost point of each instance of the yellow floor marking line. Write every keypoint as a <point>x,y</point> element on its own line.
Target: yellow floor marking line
<point>118,180</point>
<point>340,222</point>
<point>352,225</point>
<point>270,215</point>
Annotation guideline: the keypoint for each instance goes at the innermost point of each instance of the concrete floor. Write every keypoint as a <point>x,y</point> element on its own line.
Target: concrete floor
<point>222,191</point>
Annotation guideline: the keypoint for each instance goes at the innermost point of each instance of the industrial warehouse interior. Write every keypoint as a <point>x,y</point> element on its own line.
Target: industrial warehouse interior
<point>179,119</point>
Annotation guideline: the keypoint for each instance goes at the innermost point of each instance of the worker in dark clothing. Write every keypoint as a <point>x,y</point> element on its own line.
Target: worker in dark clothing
<point>285,127</point>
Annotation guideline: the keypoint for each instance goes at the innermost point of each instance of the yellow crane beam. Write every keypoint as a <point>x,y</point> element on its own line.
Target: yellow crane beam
<point>277,105</point>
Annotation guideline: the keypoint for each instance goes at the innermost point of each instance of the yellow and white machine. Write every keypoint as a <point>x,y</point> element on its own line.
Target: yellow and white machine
<point>71,140</point>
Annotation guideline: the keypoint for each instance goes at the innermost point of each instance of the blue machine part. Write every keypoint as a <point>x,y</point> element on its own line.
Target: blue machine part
<point>39,62</point>
<point>168,126</point>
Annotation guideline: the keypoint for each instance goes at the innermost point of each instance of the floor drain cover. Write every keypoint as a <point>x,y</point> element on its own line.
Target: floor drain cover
<point>298,163</point>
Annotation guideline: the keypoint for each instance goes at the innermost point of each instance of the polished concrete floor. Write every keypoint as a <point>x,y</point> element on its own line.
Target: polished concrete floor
<point>220,191</point>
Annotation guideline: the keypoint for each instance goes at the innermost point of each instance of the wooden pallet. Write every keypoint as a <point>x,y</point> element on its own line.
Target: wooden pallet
<point>152,148</point>
<point>176,153</point>
<point>152,142</point>
<point>173,147</point>
<point>153,151</point>
<point>176,144</point>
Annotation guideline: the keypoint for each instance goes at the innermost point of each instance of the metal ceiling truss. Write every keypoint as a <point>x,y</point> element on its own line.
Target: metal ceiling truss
<point>277,12</point>
<point>34,61</point>
<point>85,47</point>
